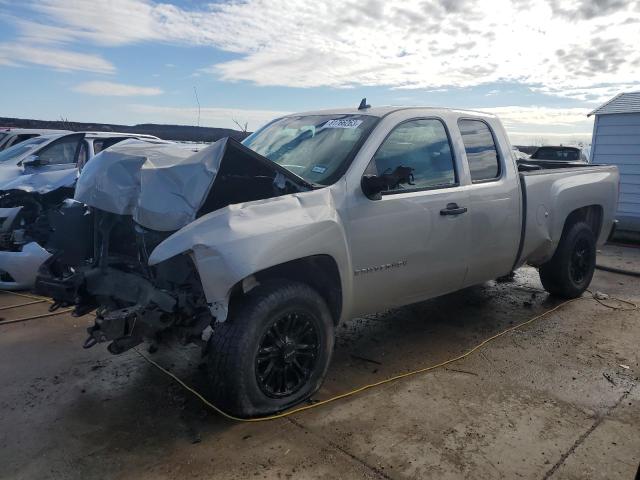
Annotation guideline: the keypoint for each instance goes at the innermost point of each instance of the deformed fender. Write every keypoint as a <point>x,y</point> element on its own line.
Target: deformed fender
<point>239,240</point>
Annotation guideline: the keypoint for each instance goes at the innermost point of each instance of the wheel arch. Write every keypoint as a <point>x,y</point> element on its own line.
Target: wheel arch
<point>592,215</point>
<point>320,272</point>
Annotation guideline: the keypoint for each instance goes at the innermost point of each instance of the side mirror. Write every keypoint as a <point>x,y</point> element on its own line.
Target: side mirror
<point>32,161</point>
<point>372,186</point>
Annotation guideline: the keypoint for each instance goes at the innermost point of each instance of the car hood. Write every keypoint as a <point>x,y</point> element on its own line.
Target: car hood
<point>163,186</point>
<point>13,177</point>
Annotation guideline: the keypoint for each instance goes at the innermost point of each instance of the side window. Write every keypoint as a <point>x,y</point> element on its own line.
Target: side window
<point>418,154</point>
<point>98,146</point>
<point>482,153</point>
<point>83,155</point>
<point>59,152</point>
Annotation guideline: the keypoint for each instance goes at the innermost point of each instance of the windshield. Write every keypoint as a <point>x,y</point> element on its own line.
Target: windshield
<point>556,153</point>
<point>316,147</point>
<point>21,148</point>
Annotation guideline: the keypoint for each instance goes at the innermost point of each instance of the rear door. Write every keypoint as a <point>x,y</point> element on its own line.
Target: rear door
<point>412,242</point>
<point>494,202</point>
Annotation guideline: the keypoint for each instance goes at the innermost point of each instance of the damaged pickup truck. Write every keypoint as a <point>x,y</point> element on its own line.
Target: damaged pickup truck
<point>256,251</point>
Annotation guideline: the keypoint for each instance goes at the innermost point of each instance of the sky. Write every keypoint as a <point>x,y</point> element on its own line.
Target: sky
<point>541,65</point>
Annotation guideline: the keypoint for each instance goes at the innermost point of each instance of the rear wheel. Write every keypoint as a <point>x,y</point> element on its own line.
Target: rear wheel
<point>274,353</point>
<point>570,270</point>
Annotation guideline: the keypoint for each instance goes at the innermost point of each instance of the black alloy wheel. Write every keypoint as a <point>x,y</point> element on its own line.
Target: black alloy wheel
<point>287,355</point>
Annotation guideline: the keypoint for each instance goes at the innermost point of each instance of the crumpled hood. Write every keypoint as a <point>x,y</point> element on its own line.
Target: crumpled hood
<point>162,186</point>
<point>31,180</point>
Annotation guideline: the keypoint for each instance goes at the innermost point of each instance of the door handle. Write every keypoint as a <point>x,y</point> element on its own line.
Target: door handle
<point>453,209</point>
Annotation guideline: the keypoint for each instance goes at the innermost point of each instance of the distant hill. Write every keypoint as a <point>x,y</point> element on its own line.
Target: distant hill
<point>183,133</point>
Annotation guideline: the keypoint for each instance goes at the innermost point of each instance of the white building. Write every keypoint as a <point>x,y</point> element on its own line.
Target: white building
<point>616,141</point>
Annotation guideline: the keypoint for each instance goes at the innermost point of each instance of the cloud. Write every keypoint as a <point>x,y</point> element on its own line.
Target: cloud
<point>111,89</point>
<point>16,54</point>
<point>558,47</point>
<point>587,9</point>
<point>213,116</point>
<point>535,117</point>
<point>527,125</point>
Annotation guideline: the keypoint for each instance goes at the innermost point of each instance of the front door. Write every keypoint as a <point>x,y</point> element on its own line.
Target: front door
<point>412,243</point>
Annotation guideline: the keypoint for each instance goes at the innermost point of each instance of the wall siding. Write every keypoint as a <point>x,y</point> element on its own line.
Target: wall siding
<point>616,141</point>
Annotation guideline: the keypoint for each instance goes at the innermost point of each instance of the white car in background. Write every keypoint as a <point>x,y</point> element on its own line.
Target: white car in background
<point>10,136</point>
<point>36,176</point>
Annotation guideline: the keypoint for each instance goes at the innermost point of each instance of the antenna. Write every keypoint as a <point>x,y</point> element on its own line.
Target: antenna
<point>198,102</point>
<point>363,104</point>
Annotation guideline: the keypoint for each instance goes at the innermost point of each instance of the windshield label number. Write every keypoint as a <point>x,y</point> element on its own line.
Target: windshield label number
<point>343,123</point>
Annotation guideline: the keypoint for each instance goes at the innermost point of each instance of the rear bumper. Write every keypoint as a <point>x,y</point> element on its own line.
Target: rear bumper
<point>19,269</point>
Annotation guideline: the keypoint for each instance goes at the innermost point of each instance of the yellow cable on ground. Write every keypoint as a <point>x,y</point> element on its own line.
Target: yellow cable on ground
<point>23,304</point>
<point>27,295</point>
<point>37,299</point>
<point>34,317</point>
<point>357,390</point>
<point>351,392</point>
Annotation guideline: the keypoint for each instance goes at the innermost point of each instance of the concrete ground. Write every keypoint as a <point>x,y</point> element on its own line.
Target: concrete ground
<point>558,399</point>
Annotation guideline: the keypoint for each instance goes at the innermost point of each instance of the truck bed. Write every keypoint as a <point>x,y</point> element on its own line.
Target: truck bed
<point>551,194</point>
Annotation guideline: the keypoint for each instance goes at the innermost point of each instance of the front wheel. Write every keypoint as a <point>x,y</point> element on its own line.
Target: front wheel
<point>570,270</point>
<point>274,353</point>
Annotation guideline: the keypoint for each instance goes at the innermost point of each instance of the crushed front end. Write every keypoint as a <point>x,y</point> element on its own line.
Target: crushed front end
<point>137,196</point>
<point>107,271</point>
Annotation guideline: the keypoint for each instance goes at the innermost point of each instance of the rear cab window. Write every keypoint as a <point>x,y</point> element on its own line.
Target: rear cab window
<point>418,152</point>
<point>481,150</point>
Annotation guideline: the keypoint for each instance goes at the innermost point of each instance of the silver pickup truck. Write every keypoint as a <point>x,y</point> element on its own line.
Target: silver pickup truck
<point>257,250</point>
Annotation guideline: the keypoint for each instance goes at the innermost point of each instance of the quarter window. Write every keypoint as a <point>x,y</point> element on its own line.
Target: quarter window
<point>482,153</point>
<point>418,153</point>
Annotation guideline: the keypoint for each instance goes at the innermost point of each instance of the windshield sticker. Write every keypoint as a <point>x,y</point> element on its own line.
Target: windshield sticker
<point>319,169</point>
<point>344,123</point>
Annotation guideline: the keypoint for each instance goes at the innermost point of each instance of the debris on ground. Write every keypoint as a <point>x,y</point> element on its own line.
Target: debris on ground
<point>609,378</point>
<point>364,359</point>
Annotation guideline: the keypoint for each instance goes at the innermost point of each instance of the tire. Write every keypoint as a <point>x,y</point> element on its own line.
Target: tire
<point>570,270</point>
<point>290,324</point>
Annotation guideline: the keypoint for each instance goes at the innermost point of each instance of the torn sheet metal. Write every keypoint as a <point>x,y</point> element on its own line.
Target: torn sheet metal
<point>229,244</point>
<point>162,187</point>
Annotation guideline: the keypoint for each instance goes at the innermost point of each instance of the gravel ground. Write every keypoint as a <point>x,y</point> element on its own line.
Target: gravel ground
<point>557,399</point>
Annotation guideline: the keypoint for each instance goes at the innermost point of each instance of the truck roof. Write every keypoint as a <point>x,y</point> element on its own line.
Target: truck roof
<point>385,110</point>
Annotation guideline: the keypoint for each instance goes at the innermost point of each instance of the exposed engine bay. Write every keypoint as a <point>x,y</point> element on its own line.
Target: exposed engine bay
<point>26,216</point>
<point>105,267</point>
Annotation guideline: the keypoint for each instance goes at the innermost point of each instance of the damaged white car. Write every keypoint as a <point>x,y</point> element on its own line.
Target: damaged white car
<point>36,176</point>
<point>257,250</point>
